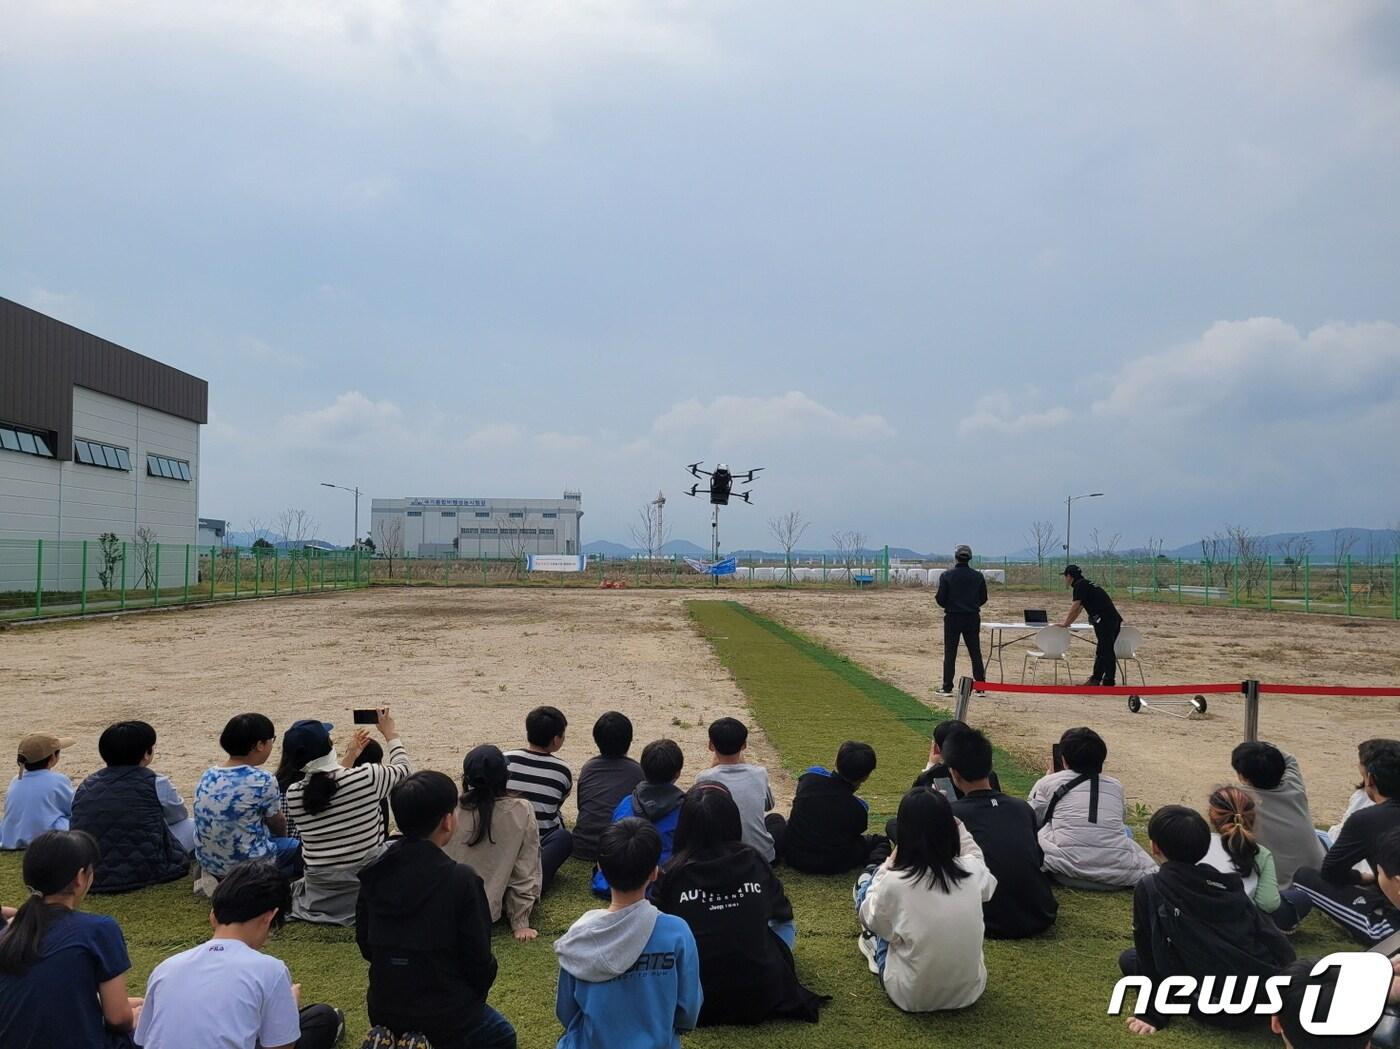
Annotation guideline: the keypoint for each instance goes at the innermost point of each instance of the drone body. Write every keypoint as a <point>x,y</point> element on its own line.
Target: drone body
<point>721,482</point>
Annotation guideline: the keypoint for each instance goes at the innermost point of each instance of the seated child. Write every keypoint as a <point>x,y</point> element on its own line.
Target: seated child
<point>1082,819</point>
<point>1233,847</point>
<point>136,816</point>
<point>1192,920</point>
<point>921,911</point>
<point>38,799</point>
<point>544,780</point>
<point>1352,899</point>
<point>1287,1023</point>
<point>226,992</point>
<point>826,833</point>
<point>498,836</point>
<point>935,773</point>
<point>604,781</point>
<point>237,806</point>
<point>422,923</point>
<point>657,799</point>
<point>1005,830</point>
<point>730,898</point>
<point>63,972</point>
<point>373,754</point>
<point>629,976</point>
<point>747,784</point>
<point>1359,798</point>
<point>1283,821</point>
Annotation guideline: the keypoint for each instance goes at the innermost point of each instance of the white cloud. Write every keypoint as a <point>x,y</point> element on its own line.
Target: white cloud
<point>1001,414</point>
<point>732,421</point>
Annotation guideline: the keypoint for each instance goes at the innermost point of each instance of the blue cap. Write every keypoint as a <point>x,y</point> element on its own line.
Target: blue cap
<point>308,739</point>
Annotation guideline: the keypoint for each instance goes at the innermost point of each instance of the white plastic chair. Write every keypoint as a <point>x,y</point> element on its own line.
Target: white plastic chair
<point>1125,651</point>
<point>1051,643</point>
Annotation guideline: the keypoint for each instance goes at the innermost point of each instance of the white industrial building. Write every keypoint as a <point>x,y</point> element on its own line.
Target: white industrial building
<point>93,439</point>
<point>493,528</point>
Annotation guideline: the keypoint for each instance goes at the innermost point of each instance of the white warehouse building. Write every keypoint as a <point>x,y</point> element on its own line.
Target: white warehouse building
<point>93,439</point>
<point>493,528</point>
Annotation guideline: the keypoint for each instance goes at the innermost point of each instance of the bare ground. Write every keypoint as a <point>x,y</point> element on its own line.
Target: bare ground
<point>461,667</point>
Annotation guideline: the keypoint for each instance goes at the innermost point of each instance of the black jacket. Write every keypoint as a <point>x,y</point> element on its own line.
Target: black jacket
<point>1195,921</point>
<point>746,972</point>
<point>1005,830</point>
<point>962,590</point>
<point>423,924</point>
<point>825,831</point>
<point>1360,835</point>
<point>119,807</point>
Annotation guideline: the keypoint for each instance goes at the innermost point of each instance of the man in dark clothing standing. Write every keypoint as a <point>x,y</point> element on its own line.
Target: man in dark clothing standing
<point>1005,830</point>
<point>1094,601</point>
<point>962,591</point>
<point>424,926</point>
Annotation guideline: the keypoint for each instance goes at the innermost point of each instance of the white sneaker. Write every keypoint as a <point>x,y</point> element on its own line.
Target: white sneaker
<point>943,692</point>
<point>866,942</point>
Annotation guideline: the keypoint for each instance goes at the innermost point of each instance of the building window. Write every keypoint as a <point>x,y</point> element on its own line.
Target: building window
<point>94,453</point>
<point>30,442</point>
<point>483,513</point>
<point>469,531</point>
<point>517,513</point>
<point>546,533</point>
<point>163,466</point>
<point>449,513</point>
<point>415,513</point>
<point>488,531</point>
<point>548,514</point>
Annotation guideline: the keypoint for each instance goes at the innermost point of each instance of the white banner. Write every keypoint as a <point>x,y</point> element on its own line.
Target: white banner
<point>555,563</point>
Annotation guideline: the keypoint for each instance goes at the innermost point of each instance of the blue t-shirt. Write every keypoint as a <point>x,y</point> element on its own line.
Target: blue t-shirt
<point>53,1004</point>
<point>34,803</point>
<point>229,808</point>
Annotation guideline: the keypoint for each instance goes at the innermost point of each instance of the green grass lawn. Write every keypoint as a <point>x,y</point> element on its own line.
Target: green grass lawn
<point>1047,993</point>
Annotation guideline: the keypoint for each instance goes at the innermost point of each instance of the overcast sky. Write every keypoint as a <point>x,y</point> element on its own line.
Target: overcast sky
<point>935,266</point>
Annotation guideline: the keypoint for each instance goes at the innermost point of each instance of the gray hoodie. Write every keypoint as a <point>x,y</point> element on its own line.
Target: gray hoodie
<point>603,944</point>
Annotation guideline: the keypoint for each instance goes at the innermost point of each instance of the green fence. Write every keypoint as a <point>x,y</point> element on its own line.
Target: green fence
<point>1350,587</point>
<point>45,577</point>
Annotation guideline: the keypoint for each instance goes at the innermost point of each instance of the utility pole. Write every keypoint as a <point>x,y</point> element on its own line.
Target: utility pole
<point>660,503</point>
<point>1069,507</point>
<point>355,535</point>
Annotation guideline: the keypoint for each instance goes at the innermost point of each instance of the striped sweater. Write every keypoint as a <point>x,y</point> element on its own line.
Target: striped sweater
<point>542,780</point>
<point>353,826</point>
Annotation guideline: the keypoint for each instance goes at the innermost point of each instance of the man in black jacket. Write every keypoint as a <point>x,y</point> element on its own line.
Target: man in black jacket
<point>1094,601</point>
<point>1352,899</point>
<point>423,924</point>
<point>1192,920</point>
<point>962,591</point>
<point>1005,830</point>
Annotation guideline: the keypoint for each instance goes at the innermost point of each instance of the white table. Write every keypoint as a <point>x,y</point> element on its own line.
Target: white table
<point>999,642</point>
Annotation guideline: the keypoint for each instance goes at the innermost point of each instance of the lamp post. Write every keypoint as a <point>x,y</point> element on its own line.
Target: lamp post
<point>1069,508</point>
<point>355,535</point>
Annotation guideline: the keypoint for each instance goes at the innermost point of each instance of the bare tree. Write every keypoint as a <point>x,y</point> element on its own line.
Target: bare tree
<point>147,550</point>
<point>1343,540</point>
<point>296,526</point>
<point>388,540</point>
<point>1043,538</point>
<point>258,529</point>
<point>788,530</point>
<point>1295,551</point>
<point>513,543</point>
<point>1216,553</point>
<point>848,545</point>
<point>650,532</point>
<point>1248,551</point>
<point>1101,549</point>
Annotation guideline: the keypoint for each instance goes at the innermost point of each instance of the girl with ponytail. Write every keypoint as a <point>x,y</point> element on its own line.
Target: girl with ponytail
<point>1235,850</point>
<point>63,972</point>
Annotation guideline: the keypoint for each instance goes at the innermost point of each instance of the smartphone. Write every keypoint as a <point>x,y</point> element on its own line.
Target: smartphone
<point>1057,758</point>
<point>366,717</point>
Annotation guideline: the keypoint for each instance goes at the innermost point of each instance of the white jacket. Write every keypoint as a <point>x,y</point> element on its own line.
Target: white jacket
<point>935,937</point>
<point>1074,847</point>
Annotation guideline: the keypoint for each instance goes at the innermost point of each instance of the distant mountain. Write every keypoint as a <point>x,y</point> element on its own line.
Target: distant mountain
<point>683,548</point>
<point>607,549</point>
<point>1322,546</point>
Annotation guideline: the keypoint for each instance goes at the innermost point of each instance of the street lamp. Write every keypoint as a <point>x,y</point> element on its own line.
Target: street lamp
<point>1069,507</point>
<point>355,535</point>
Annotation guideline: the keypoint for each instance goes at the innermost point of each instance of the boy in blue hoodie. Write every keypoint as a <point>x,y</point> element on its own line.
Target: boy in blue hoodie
<point>629,976</point>
<point>656,799</point>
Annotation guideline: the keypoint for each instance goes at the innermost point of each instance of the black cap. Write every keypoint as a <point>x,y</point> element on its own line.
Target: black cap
<point>1073,570</point>
<point>485,766</point>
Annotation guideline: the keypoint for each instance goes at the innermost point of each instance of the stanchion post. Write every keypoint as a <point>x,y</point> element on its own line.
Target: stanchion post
<point>1251,710</point>
<point>964,698</point>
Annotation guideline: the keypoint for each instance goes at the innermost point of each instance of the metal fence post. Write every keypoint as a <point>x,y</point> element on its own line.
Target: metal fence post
<point>1269,576</point>
<point>157,578</point>
<point>1346,583</point>
<point>123,604</point>
<point>1307,583</point>
<point>187,573</point>
<point>1251,710</point>
<point>1236,579</point>
<point>964,698</point>
<point>82,601</point>
<point>1179,597</point>
<point>276,570</point>
<point>39,577</point>
<point>213,570</point>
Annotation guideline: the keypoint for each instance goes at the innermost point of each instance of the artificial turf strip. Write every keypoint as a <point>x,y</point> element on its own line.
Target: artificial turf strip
<point>1046,993</point>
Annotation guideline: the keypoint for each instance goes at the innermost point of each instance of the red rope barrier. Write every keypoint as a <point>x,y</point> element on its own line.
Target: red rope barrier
<point>1328,690</point>
<point>1225,688</point>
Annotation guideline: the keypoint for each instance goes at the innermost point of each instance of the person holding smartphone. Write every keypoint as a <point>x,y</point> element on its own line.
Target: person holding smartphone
<point>338,814</point>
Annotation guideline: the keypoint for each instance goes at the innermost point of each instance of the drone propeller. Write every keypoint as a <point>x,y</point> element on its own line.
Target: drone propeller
<point>695,470</point>
<point>744,496</point>
<point>693,489</point>
<point>749,477</point>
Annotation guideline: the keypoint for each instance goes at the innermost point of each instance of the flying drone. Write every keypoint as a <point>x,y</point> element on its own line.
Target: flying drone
<point>721,482</point>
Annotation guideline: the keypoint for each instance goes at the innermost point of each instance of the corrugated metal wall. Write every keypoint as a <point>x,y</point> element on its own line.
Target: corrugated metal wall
<point>42,359</point>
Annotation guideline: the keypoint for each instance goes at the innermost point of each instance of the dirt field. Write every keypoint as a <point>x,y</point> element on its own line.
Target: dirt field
<point>461,667</point>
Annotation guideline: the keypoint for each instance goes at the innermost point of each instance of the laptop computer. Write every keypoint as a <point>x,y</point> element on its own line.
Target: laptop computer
<point>1036,617</point>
